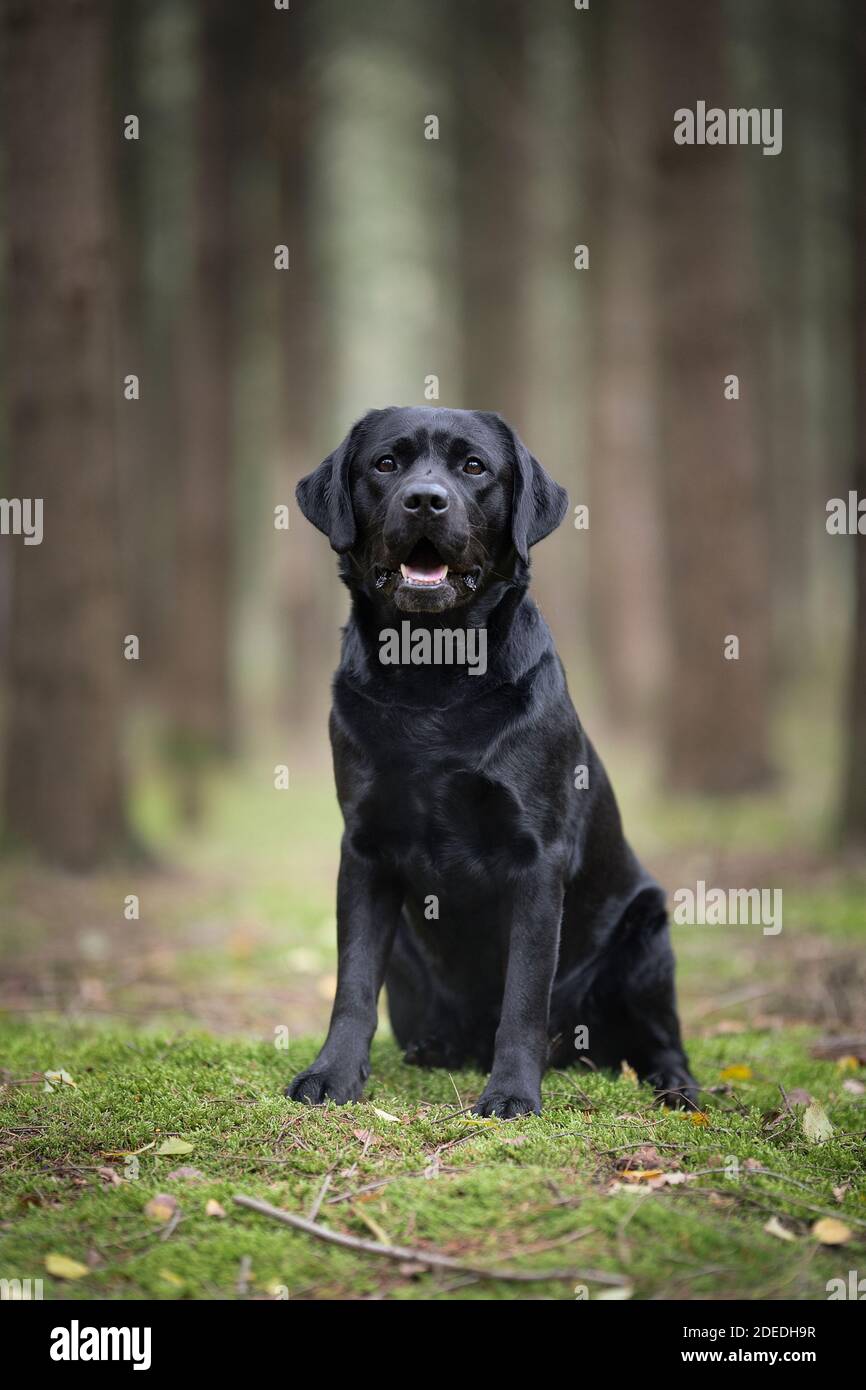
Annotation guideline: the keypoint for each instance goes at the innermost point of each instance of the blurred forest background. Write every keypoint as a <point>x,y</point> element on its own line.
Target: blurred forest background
<point>149,248</point>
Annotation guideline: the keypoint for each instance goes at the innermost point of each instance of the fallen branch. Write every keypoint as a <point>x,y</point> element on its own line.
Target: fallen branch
<point>419,1256</point>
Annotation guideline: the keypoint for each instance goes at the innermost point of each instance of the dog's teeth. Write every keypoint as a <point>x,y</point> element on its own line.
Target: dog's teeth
<point>419,579</point>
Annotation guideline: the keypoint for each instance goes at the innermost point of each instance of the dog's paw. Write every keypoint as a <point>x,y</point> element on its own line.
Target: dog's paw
<point>315,1087</point>
<point>505,1105</point>
<point>676,1090</point>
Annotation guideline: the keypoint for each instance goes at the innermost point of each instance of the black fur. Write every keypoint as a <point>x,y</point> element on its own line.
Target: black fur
<point>461,788</point>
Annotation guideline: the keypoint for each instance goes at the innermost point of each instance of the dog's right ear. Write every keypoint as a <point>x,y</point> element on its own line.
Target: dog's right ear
<point>325,498</point>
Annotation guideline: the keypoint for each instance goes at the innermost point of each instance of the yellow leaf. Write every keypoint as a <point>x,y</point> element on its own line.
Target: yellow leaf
<point>168,1277</point>
<point>628,1073</point>
<point>642,1174</point>
<point>63,1268</point>
<point>816,1125</point>
<point>384,1115</point>
<point>213,1208</point>
<point>848,1063</point>
<point>161,1208</point>
<point>736,1073</point>
<point>174,1146</point>
<point>58,1078</point>
<point>698,1117</point>
<point>831,1231</point>
<point>273,1288</point>
<point>774,1227</point>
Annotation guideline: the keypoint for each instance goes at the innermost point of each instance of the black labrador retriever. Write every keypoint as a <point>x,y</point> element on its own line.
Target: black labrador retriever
<point>484,877</point>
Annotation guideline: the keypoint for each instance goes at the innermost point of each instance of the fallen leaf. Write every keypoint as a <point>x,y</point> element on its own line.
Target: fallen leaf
<point>848,1063</point>
<point>697,1117</point>
<point>816,1124</point>
<point>774,1227</point>
<point>647,1156</point>
<point>274,1289</point>
<point>109,1175</point>
<point>53,1079</point>
<point>831,1231</point>
<point>736,1073</point>
<point>841,1192</point>
<point>799,1097</point>
<point>168,1277</point>
<point>161,1208</point>
<point>628,1074</point>
<point>615,1295</point>
<point>384,1115</point>
<point>63,1268</point>
<point>642,1174</point>
<point>854,1088</point>
<point>186,1173</point>
<point>175,1146</point>
<point>213,1208</point>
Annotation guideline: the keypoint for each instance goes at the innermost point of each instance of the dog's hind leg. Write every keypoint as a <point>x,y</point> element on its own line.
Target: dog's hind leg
<point>629,1009</point>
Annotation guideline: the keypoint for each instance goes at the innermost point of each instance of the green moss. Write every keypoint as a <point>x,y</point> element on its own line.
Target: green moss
<point>492,1198</point>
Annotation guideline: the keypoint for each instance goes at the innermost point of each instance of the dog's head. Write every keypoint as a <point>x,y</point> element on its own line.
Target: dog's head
<point>431,505</point>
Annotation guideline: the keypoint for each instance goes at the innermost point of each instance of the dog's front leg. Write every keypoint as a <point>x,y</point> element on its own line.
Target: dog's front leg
<point>520,1050</point>
<point>368,906</point>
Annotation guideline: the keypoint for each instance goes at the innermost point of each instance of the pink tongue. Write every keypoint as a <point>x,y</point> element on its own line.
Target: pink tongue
<point>425,576</point>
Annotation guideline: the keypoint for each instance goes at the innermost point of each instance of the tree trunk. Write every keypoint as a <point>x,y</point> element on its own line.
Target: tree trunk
<point>304,603</point>
<point>714,504</point>
<point>854,795</point>
<point>63,784</point>
<point>490,101</point>
<point>625,570</point>
<point>204,549</point>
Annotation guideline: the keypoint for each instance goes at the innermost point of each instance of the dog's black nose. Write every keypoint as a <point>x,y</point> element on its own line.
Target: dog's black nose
<point>425,497</point>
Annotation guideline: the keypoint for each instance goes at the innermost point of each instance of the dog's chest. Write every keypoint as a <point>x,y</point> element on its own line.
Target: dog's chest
<point>439,821</point>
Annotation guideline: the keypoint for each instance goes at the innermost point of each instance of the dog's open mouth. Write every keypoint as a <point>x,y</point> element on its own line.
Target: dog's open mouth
<point>424,568</point>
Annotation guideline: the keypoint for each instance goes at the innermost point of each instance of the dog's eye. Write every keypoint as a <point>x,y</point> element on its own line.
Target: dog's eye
<point>385,464</point>
<point>473,466</point>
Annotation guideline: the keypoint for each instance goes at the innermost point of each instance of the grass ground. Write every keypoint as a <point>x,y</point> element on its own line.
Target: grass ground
<point>543,1193</point>
<point>172,1026</point>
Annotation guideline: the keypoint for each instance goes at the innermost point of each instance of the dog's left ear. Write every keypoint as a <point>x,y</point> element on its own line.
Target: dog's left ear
<point>539,503</point>
<point>325,498</point>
